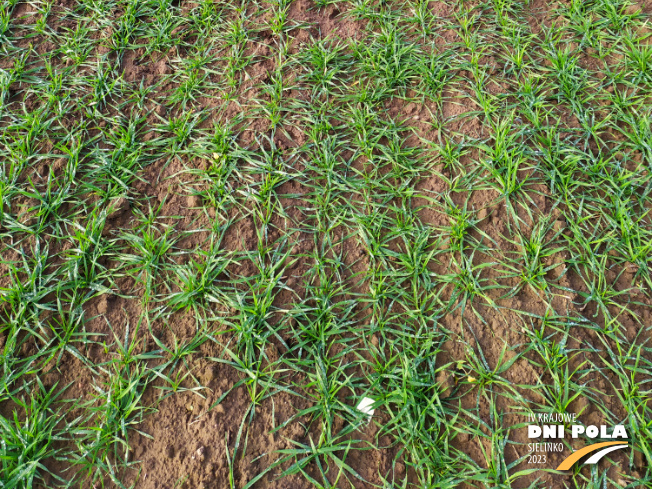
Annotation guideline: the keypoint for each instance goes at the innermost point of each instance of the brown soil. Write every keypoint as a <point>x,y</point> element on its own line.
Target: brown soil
<point>184,443</point>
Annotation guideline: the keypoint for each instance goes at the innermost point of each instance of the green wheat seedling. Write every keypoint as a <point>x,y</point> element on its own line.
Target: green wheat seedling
<point>29,438</point>
<point>149,246</point>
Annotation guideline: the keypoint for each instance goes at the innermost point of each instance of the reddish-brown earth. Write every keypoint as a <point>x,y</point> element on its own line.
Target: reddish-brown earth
<point>184,440</point>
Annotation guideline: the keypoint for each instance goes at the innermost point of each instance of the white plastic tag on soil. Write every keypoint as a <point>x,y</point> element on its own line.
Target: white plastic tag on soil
<point>365,406</point>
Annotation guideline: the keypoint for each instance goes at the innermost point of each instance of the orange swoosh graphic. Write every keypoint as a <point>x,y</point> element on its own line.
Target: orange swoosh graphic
<point>575,456</point>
